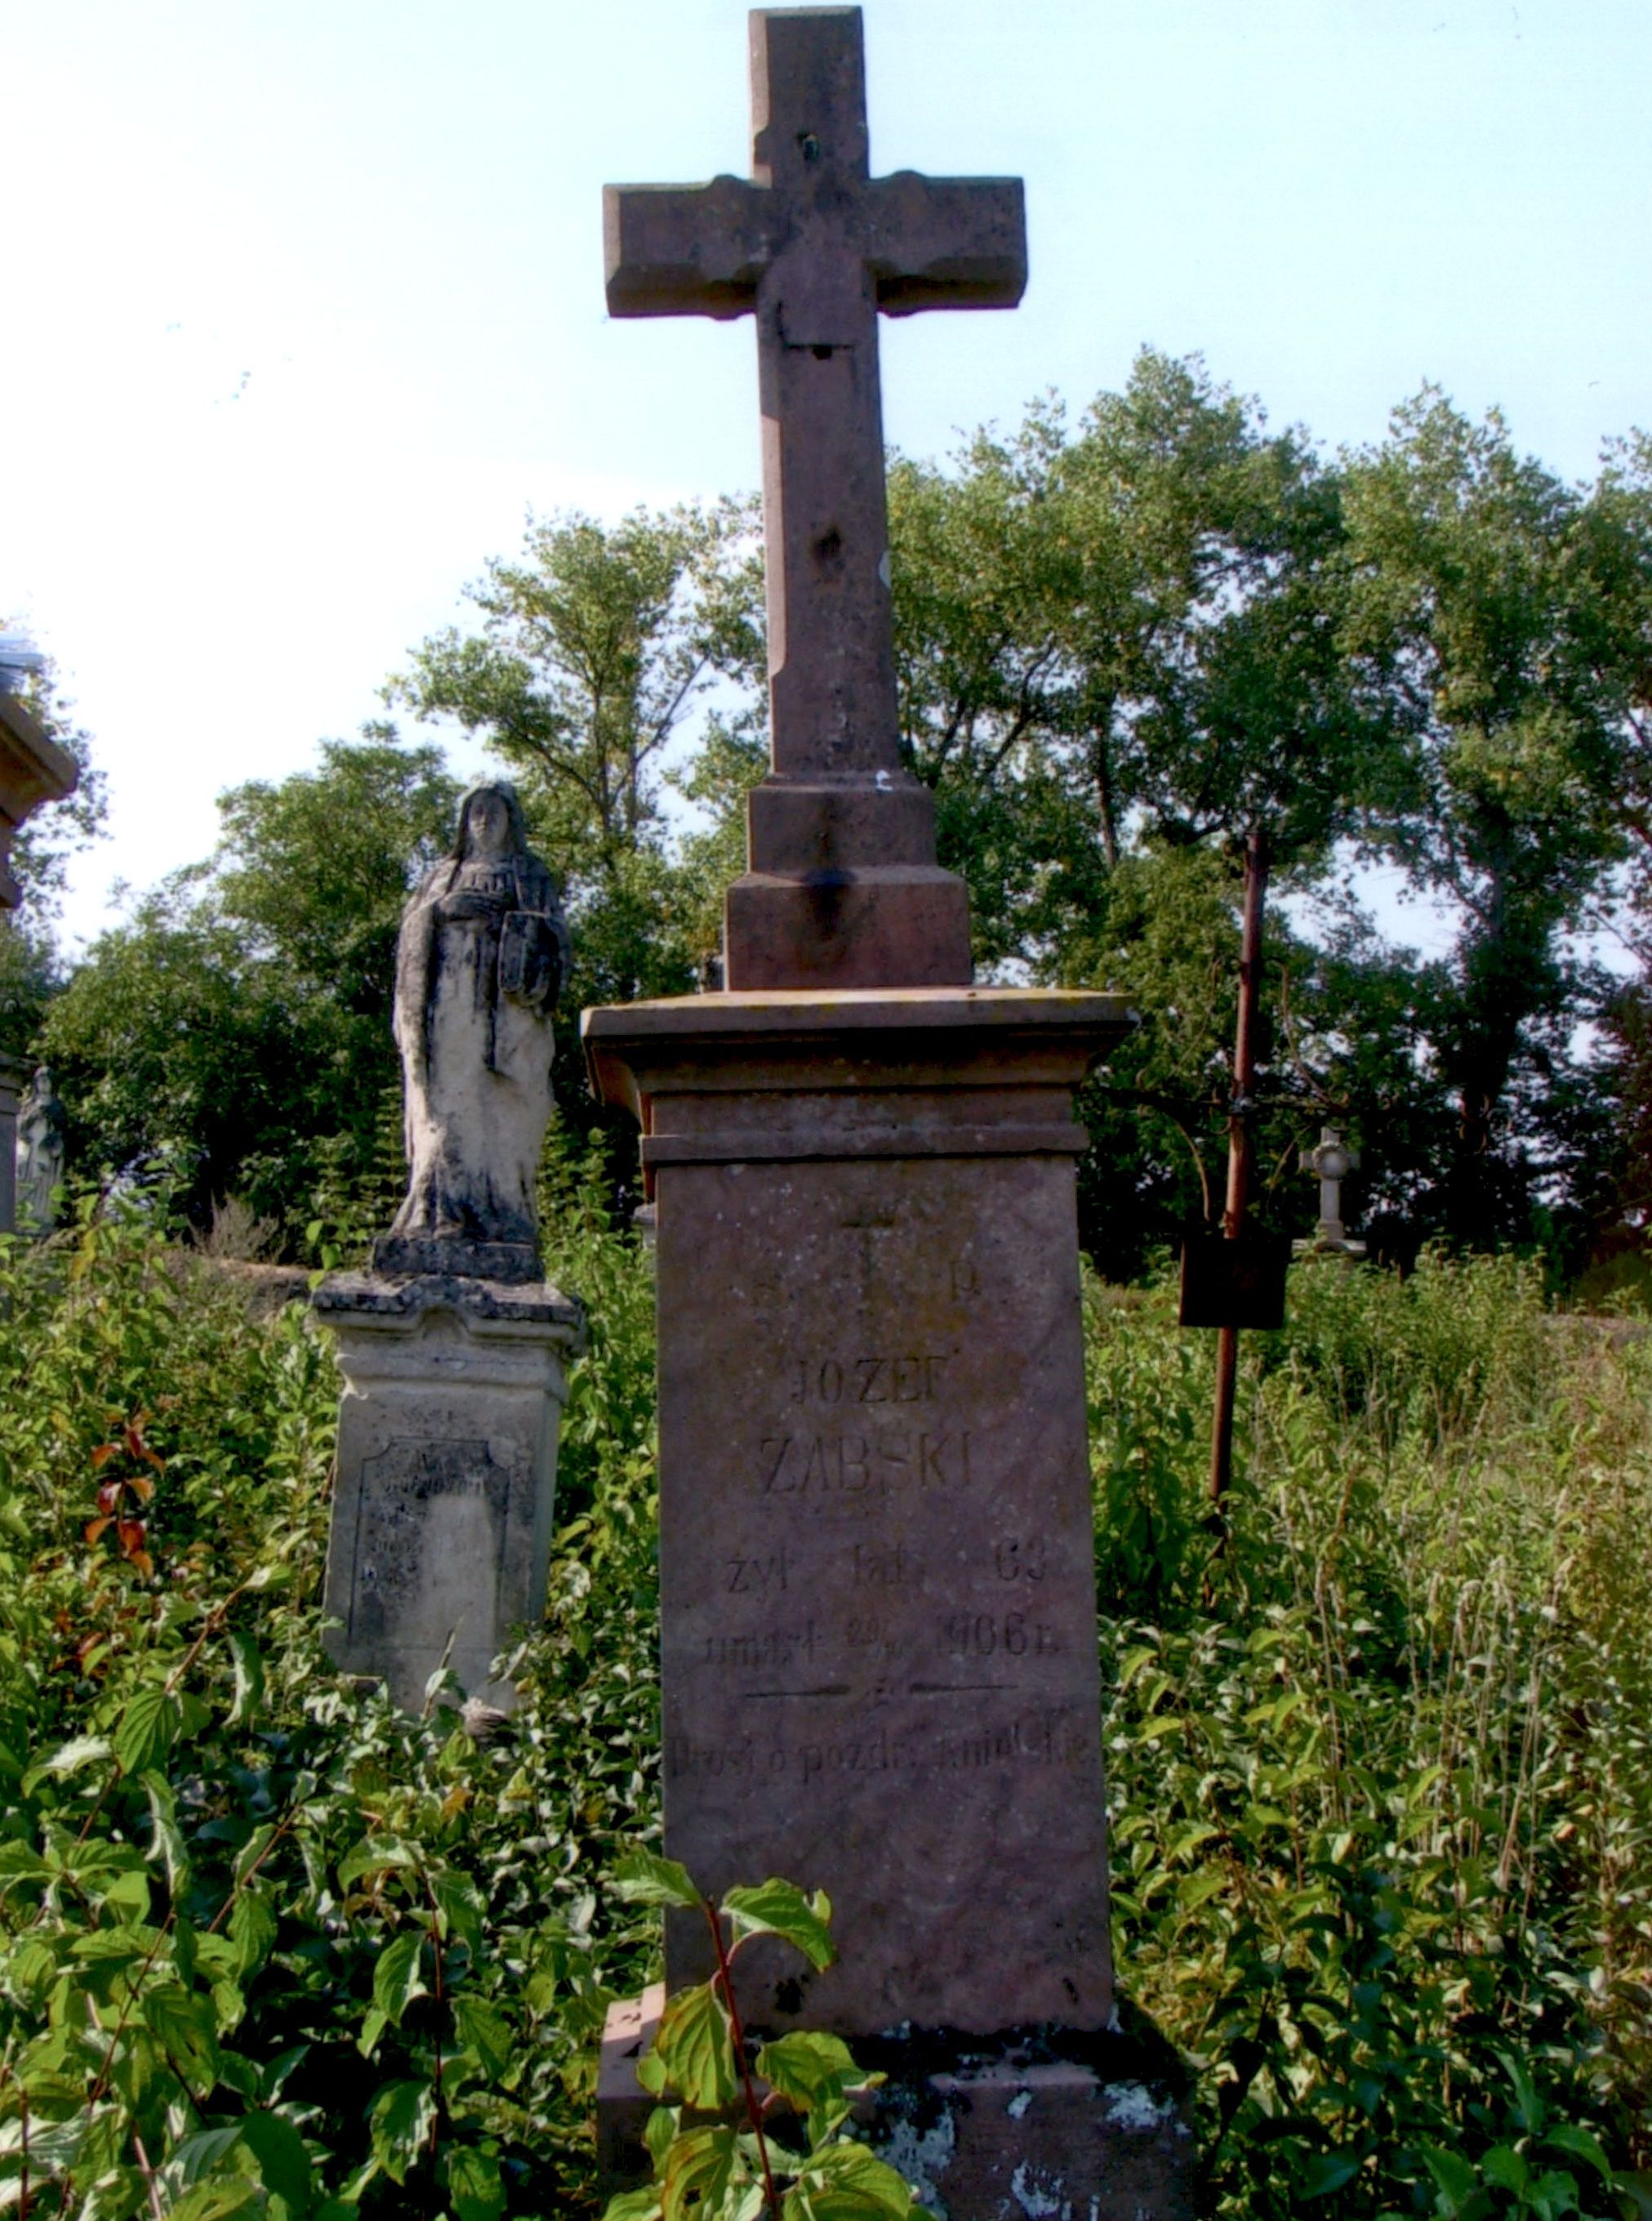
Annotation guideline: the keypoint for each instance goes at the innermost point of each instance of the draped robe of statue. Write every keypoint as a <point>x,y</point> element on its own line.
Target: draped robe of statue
<point>479,961</point>
<point>41,1141</point>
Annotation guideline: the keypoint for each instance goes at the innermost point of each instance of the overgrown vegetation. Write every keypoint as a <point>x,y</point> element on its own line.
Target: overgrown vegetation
<point>1382,1812</point>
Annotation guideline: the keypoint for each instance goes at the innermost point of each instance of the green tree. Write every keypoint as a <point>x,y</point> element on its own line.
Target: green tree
<point>32,969</point>
<point>1477,577</point>
<point>240,1018</point>
<point>1121,646</point>
<point>597,646</point>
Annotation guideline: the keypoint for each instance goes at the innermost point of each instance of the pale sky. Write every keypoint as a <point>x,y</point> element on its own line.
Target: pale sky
<point>305,301</point>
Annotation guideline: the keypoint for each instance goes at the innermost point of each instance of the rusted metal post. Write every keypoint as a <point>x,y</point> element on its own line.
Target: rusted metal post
<point>1240,1149</point>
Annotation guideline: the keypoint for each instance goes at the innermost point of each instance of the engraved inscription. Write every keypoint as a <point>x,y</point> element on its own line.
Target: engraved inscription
<point>1052,1738</point>
<point>888,1379</point>
<point>852,1465</point>
<point>781,1647</point>
<point>1020,1558</point>
<point>883,1566</point>
<point>755,1576</point>
<point>415,1496</point>
<point>988,1634</point>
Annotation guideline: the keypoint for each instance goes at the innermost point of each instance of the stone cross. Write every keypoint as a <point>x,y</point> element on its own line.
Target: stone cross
<point>814,246</point>
<point>1331,1160</point>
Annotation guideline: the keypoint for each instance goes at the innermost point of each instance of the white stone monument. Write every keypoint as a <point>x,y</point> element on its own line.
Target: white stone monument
<point>453,1346</point>
<point>40,1149</point>
<point>1330,1160</point>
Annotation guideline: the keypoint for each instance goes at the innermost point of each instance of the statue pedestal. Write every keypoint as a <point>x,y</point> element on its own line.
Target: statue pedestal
<point>446,1471</point>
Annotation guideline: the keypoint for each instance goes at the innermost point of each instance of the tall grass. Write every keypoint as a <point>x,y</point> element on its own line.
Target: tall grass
<point>1384,1808</point>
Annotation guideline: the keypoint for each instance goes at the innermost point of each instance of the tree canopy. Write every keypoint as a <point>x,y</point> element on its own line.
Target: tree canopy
<point>1136,648</point>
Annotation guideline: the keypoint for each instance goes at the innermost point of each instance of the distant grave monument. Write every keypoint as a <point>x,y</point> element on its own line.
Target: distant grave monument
<point>879,1644</point>
<point>452,1345</point>
<point>1330,1160</point>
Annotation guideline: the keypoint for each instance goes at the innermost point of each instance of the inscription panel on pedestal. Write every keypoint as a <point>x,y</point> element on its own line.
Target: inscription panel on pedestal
<point>424,1509</point>
<point>878,1614</point>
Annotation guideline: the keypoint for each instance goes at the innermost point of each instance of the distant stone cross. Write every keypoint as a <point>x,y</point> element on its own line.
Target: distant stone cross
<point>1330,1160</point>
<point>814,247</point>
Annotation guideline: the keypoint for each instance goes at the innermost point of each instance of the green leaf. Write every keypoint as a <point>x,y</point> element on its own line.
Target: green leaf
<point>397,1978</point>
<point>251,1931</point>
<point>1504,2166</point>
<point>459,1903</point>
<point>1322,2172</point>
<point>1454,2178</point>
<point>633,2206</point>
<point>167,1840</point>
<point>846,2182</point>
<point>696,2049</point>
<point>214,2200</point>
<point>282,2162</point>
<point>475,2190</point>
<point>1528,2104</point>
<point>186,2027</point>
<point>642,1879</point>
<point>401,2120</point>
<point>1579,2144</point>
<point>483,2029</point>
<point>147,1731</point>
<point>699,2167</point>
<point>371,1856</point>
<point>197,2155</point>
<point>661,2128</point>
<point>68,1758</point>
<point>248,1663</point>
<point>815,2072</point>
<point>779,1908</point>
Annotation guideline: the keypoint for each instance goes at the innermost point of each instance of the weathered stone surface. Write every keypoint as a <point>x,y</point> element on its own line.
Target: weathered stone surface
<point>478,964</point>
<point>877,1586</point>
<point>814,248</point>
<point>42,1130</point>
<point>446,1472</point>
<point>1061,2129</point>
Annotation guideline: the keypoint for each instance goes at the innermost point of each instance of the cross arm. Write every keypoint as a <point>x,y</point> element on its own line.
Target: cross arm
<point>946,242</point>
<point>684,250</point>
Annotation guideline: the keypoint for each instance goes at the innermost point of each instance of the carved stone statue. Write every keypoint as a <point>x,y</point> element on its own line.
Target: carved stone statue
<point>40,1139</point>
<point>483,948</point>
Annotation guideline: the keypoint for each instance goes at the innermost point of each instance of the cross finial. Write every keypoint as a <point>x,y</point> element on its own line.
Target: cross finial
<point>1330,1160</point>
<point>842,888</point>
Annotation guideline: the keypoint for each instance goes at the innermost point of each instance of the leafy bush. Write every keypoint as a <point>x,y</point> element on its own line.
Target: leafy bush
<point>1382,1809</point>
<point>268,1946</point>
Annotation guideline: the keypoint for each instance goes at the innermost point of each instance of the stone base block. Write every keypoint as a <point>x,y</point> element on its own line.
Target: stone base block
<point>446,1472</point>
<point>897,925</point>
<point>840,825</point>
<point>1054,2125</point>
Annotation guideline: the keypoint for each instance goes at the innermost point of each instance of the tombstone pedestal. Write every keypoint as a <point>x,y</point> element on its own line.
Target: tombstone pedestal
<point>446,1471</point>
<point>878,1627</point>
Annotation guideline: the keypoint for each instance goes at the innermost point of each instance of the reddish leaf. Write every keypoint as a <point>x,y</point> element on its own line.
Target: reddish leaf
<point>141,1487</point>
<point>94,1528</point>
<point>102,1453</point>
<point>131,1532</point>
<point>143,1563</point>
<point>109,1496</point>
